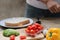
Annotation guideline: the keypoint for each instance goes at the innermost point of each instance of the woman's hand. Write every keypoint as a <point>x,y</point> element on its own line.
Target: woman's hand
<point>53,6</point>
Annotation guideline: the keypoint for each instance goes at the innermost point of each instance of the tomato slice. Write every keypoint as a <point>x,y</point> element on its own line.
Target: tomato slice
<point>12,37</point>
<point>22,37</point>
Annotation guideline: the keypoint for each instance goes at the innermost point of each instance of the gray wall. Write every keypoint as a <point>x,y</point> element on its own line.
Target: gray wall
<point>11,8</point>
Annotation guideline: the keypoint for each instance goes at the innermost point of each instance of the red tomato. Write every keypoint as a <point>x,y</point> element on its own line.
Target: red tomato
<point>40,28</point>
<point>12,37</point>
<point>29,27</point>
<point>38,25</point>
<point>22,37</point>
<point>36,30</point>
<point>27,30</point>
<point>32,31</point>
<point>34,27</point>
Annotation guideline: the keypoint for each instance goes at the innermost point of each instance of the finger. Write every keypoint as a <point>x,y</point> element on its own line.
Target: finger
<point>54,11</point>
<point>51,10</point>
<point>59,9</point>
<point>55,8</point>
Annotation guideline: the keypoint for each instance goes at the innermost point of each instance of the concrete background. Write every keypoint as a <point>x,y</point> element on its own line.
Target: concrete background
<point>11,8</point>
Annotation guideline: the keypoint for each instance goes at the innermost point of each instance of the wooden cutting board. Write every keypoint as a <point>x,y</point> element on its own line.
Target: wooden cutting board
<point>22,33</point>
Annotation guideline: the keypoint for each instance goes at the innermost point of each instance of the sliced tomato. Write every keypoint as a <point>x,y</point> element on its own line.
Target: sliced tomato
<point>12,37</point>
<point>22,37</point>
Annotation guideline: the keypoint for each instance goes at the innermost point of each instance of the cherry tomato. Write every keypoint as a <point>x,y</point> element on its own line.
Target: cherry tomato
<point>22,37</point>
<point>27,30</point>
<point>36,30</point>
<point>40,28</point>
<point>29,27</point>
<point>32,31</point>
<point>12,37</point>
<point>34,27</point>
<point>38,25</point>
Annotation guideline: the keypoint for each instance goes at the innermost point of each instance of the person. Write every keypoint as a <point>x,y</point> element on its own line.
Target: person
<point>42,8</point>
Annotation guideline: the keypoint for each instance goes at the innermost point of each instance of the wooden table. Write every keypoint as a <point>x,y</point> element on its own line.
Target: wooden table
<point>47,23</point>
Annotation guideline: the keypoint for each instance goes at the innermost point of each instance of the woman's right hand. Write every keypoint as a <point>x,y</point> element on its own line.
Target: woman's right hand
<point>53,6</point>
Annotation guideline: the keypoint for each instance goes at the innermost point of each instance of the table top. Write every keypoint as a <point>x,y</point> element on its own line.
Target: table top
<point>22,33</point>
<point>46,22</point>
<point>51,22</point>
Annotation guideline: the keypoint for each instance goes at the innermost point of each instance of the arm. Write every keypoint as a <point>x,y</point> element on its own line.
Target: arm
<point>52,5</point>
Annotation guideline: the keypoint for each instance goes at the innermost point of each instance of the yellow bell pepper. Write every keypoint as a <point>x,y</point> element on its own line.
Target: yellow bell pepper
<point>53,34</point>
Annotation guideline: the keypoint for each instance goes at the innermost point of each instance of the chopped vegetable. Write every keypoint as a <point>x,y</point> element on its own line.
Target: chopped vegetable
<point>9,32</point>
<point>22,37</point>
<point>12,37</point>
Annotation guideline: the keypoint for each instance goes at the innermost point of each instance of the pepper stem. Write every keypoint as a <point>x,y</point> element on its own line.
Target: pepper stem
<point>50,34</point>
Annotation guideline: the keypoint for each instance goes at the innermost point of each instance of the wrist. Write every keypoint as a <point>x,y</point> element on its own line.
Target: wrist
<point>48,1</point>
